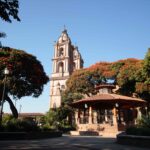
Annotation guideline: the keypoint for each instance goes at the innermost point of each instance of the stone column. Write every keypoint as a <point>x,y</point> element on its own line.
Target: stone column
<point>139,114</point>
<point>90,115</point>
<point>95,117</point>
<point>106,116</point>
<point>76,117</point>
<point>114,116</point>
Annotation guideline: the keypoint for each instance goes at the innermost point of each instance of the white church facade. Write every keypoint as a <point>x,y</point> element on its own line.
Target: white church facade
<point>66,60</point>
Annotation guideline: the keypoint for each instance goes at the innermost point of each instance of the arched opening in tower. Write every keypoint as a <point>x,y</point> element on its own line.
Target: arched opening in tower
<point>61,68</point>
<point>60,52</point>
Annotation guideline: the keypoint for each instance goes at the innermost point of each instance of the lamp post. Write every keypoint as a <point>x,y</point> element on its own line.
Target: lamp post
<point>6,72</point>
<point>119,119</point>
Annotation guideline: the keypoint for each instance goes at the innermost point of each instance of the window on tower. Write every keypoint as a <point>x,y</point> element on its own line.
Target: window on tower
<point>74,66</point>
<point>60,52</point>
<point>60,67</point>
<point>63,87</point>
<point>75,54</point>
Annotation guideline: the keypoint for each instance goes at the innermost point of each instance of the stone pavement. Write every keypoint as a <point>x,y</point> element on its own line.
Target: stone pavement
<point>67,143</point>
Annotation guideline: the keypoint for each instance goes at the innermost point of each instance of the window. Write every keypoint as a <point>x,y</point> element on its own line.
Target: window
<point>74,66</point>
<point>60,67</point>
<point>60,52</point>
<point>63,87</point>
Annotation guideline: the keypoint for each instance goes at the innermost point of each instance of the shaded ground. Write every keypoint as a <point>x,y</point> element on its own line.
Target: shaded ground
<point>67,143</point>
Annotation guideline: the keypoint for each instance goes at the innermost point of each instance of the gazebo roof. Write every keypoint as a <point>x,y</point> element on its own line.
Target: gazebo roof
<point>110,86</point>
<point>111,99</point>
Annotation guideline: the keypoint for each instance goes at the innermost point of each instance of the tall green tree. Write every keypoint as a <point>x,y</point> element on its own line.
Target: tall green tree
<point>2,34</point>
<point>127,76</point>
<point>146,67</point>
<point>8,10</point>
<point>79,82</point>
<point>26,78</point>
<point>143,84</point>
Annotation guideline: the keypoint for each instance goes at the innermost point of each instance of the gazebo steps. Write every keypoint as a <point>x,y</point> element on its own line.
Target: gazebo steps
<point>85,133</point>
<point>93,133</point>
<point>104,130</point>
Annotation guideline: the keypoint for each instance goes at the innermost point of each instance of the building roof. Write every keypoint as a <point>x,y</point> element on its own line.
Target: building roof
<point>111,98</point>
<point>30,114</point>
<point>110,86</point>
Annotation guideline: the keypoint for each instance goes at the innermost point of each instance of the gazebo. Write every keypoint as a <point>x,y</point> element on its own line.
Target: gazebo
<point>106,113</point>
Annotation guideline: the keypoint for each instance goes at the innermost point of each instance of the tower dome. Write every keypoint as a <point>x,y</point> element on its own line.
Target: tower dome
<point>64,36</point>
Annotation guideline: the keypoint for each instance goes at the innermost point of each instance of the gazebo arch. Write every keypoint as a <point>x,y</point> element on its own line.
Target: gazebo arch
<point>60,68</point>
<point>60,52</point>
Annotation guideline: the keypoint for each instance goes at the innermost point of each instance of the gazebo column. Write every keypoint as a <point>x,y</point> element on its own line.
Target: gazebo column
<point>106,116</point>
<point>90,115</point>
<point>95,117</point>
<point>139,114</point>
<point>114,116</point>
<point>77,117</point>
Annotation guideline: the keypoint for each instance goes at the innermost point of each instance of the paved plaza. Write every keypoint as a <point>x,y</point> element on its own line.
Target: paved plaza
<point>67,143</point>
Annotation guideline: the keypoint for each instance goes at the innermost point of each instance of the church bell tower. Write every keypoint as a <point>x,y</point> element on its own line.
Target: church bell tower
<point>66,60</point>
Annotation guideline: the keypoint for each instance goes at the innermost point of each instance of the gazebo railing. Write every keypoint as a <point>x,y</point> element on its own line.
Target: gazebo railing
<point>97,120</point>
<point>84,120</point>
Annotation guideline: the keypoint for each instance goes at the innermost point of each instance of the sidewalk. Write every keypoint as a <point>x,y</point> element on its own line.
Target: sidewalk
<point>67,143</point>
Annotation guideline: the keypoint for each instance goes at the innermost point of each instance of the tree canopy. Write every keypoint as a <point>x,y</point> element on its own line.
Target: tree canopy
<point>143,84</point>
<point>27,76</point>
<point>8,9</point>
<point>132,75</point>
<point>79,82</point>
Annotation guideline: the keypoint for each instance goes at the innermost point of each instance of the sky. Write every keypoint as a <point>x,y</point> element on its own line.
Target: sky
<point>103,30</point>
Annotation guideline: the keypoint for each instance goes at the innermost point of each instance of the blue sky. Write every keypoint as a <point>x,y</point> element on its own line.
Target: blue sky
<point>104,30</point>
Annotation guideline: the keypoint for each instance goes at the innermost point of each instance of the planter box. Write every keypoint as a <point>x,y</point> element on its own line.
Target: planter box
<point>28,135</point>
<point>139,141</point>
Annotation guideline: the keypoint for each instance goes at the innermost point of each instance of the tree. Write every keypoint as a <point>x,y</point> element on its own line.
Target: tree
<point>84,80</point>
<point>2,34</point>
<point>143,84</point>
<point>146,67</point>
<point>27,76</point>
<point>79,82</point>
<point>127,76</point>
<point>62,117</point>
<point>8,9</point>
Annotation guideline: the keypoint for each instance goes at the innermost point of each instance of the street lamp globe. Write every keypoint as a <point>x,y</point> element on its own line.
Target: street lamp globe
<point>117,105</point>
<point>6,71</point>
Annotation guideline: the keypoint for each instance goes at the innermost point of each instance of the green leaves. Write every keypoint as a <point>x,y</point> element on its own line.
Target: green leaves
<point>146,67</point>
<point>79,83</point>
<point>2,35</point>
<point>27,75</point>
<point>8,9</point>
<point>132,76</point>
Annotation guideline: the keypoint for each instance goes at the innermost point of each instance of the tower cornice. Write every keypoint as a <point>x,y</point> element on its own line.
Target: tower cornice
<point>61,58</point>
<point>58,78</point>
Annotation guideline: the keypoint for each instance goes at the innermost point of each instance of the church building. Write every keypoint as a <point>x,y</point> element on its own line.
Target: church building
<point>66,60</point>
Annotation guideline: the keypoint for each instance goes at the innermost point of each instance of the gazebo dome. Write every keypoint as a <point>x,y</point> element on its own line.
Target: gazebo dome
<point>105,88</point>
<point>64,37</point>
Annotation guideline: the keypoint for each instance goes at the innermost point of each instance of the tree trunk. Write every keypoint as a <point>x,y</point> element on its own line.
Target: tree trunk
<point>12,107</point>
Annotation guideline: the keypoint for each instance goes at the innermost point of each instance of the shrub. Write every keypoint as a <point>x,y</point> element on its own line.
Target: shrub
<point>47,127</point>
<point>141,131</point>
<point>142,128</point>
<point>144,122</point>
<point>18,125</point>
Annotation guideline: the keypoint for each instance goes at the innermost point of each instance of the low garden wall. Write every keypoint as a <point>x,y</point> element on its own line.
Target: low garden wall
<point>140,141</point>
<point>28,135</point>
